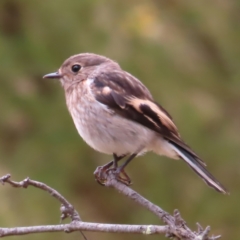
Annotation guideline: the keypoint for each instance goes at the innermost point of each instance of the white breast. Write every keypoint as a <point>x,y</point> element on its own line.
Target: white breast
<point>101,128</point>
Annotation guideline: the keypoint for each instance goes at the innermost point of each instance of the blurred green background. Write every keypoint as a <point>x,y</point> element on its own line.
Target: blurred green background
<point>186,52</point>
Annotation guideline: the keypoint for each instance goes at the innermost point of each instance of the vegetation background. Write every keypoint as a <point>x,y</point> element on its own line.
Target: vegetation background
<point>186,52</point>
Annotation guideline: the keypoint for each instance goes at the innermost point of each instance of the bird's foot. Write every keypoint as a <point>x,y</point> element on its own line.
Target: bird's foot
<point>122,176</point>
<point>101,175</point>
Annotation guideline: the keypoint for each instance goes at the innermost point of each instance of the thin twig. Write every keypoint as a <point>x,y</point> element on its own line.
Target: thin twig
<point>178,227</point>
<point>85,226</point>
<point>66,209</point>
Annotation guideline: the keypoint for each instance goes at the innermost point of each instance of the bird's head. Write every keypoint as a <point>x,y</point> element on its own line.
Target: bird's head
<point>81,67</point>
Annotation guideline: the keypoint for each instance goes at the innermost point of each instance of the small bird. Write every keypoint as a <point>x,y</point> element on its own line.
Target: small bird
<point>116,114</point>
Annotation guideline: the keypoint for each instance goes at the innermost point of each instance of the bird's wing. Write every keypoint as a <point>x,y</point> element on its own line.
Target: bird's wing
<point>128,97</point>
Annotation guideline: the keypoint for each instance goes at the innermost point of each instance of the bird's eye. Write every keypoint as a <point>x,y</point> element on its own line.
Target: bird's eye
<point>76,68</point>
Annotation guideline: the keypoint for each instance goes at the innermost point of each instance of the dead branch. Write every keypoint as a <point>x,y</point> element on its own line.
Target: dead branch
<point>85,226</point>
<point>175,226</point>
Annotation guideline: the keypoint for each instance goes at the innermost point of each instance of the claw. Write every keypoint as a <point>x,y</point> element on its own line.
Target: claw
<point>125,180</point>
<point>101,172</point>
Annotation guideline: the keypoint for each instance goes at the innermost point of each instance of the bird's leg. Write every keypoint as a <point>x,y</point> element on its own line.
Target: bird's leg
<point>101,170</point>
<point>116,159</point>
<point>120,170</point>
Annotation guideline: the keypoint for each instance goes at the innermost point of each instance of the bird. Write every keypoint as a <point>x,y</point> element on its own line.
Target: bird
<point>115,113</point>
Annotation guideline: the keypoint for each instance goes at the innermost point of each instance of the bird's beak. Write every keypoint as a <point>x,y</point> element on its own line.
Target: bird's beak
<point>53,75</point>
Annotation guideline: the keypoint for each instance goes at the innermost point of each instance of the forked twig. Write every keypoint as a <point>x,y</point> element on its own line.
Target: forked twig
<point>175,227</point>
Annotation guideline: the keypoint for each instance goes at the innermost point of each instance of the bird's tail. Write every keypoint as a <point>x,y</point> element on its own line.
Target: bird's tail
<point>198,167</point>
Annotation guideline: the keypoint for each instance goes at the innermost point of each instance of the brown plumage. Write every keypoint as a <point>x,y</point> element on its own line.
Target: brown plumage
<point>116,114</point>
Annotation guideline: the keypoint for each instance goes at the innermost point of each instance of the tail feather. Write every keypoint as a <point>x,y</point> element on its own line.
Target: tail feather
<point>194,163</point>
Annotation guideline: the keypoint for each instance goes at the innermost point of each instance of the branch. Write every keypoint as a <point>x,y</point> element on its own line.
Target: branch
<point>66,209</point>
<point>85,226</point>
<point>175,226</point>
